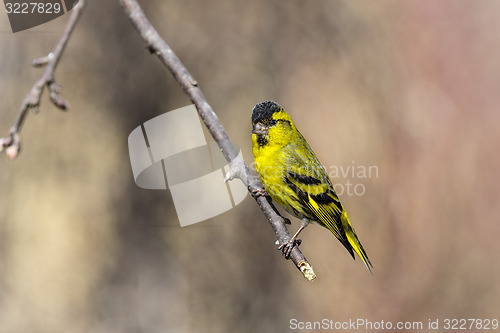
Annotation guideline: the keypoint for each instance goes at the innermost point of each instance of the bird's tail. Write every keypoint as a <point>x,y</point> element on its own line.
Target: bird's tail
<point>354,241</point>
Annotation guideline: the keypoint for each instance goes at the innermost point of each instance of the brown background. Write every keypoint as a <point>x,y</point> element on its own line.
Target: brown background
<point>408,86</point>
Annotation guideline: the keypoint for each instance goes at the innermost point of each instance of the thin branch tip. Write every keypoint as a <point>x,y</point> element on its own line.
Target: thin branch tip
<point>34,96</point>
<point>307,270</point>
<point>55,96</point>
<point>12,151</point>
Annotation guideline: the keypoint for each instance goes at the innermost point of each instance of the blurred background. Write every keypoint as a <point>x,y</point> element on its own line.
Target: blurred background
<point>410,87</point>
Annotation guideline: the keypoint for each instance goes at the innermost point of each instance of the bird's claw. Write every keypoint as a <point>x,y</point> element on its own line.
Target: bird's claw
<point>260,192</point>
<point>287,247</point>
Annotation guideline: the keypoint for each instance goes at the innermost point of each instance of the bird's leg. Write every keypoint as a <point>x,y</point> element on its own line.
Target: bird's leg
<point>287,247</point>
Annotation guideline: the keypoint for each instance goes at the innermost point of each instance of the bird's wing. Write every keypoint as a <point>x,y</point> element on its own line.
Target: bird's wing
<point>324,205</point>
<point>321,202</point>
<point>308,179</point>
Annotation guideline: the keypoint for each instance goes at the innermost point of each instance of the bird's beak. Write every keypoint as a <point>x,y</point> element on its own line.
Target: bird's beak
<point>260,129</point>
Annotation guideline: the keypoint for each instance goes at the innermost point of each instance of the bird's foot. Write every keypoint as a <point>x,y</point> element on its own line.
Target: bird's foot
<point>260,192</point>
<point>286,248</point>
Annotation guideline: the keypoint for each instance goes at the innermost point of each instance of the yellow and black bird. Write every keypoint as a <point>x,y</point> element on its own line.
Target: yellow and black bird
<point>293,177</point>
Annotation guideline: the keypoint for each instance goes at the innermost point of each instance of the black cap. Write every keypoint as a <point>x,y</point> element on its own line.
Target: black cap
<point>264,111</point>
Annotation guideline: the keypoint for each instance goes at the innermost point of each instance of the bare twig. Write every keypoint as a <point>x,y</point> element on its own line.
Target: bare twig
<point>159,47</point>
<point>12,144</point>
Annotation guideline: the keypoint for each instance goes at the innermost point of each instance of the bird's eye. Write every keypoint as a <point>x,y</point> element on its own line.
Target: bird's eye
<point>272,122</point>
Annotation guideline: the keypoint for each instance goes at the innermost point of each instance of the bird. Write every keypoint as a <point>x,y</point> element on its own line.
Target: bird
<point>294,178</point>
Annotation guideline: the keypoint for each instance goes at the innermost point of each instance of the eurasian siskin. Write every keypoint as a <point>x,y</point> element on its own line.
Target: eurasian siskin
<point>293,177</point>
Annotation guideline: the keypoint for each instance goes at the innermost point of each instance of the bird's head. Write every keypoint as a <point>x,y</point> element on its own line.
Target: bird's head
<point>271,117</point>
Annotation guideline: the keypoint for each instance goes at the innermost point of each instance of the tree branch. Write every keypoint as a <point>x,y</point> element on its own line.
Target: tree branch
<point>12,143</point>
<point>239,169</point>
